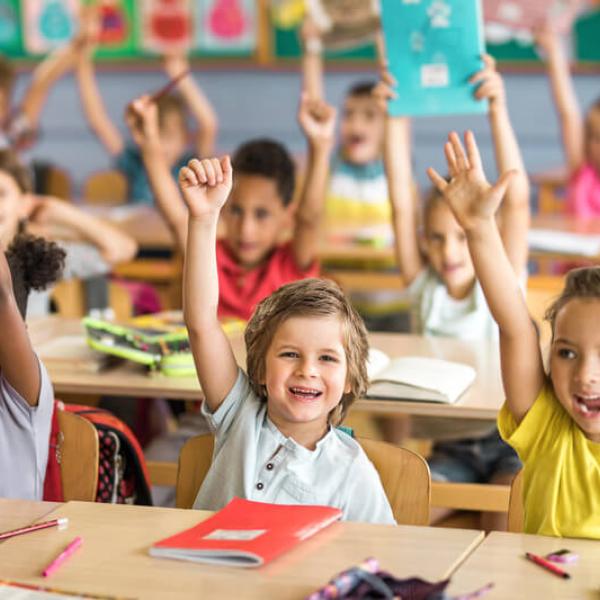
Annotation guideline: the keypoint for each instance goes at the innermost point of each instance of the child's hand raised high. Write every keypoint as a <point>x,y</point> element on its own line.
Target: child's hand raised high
<point>317,119</point>
<point>468,194</point>
<point>141,117</point>
<point>491,85</point>
<point>205,185</point>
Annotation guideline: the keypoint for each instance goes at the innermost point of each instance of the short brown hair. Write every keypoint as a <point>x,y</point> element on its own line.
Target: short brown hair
<point>171,103</point>
<point>309,298</point>
<point>7,75</point>
<point>10,163</point>
<point>580,283</point>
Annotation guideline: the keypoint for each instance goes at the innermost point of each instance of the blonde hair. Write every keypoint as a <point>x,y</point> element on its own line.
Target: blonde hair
<point>581,283</point>
<point>309,298</point>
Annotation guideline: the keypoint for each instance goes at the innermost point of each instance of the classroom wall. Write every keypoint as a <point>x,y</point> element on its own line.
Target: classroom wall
<point>255,103</point>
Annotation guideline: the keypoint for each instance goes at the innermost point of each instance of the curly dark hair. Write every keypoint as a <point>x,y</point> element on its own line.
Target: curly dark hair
<point>267,158</point>
<point>309,298</point>
<point>34,264</point>
<point>10,163</point>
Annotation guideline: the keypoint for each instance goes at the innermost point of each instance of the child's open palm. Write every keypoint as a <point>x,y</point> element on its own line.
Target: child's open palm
<point>469,195</point>
<point>205,185</point>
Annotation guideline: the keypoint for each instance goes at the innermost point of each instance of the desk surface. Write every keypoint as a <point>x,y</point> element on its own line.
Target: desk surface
<point>500,559</point>
<point>481,401</point>
<point>18,513</point>
<point>114,558</point>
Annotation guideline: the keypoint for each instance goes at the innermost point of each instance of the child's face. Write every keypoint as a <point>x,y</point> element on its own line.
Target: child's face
<point>445,244</point>
<point>173,136</point>
<point>11,208</point>
<point>575,363</point>
<point>254,218</point>
<point>361,130</point>
<point>593,139</point>
<point>305,375</point>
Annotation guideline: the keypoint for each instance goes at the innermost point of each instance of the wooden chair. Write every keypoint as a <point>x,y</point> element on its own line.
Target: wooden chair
<point>105,187</point>
<point>58,183</point>
<point>404,475</point>
<point>69,297</point>
<point>78,451</point>
<point>515,505</point>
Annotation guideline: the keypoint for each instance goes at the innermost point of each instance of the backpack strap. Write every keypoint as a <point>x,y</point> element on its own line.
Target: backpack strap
<point>53,490</point>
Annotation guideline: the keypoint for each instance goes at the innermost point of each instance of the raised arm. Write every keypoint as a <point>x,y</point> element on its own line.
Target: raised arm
<point>114,244</point>
<point>198,103</point>
<point>474,203</point>
<point>514,211</point>
<point>93,106</point>
<point>398,171</point>
<point>312,60</point>
<point>563,93</point>
<point>45,75</point>
<point>317,120</point>
<point>142,119</point>
<point>205,186</point>
<point>18,362</point>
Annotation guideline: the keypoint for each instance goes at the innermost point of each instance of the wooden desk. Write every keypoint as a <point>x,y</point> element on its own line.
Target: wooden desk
<point>18,513</point>
<point>481,401</point>
<point>114,558</point>
<point>500,559</point>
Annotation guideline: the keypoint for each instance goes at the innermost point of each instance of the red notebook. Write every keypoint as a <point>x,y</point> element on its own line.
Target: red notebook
<point>246,533</point>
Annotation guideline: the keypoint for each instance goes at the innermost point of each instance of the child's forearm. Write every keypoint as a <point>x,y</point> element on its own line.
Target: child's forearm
<point>312,70</point>
<point>44,77</point>
<point>166,193</point>
<point>309,214</point>
<point>18,362</point>
<point>215,363</point>
<point>514,211</point>
<point>94,108</point>
<point>203,113</point>
<point>404,215</point>
<point>567,105</point>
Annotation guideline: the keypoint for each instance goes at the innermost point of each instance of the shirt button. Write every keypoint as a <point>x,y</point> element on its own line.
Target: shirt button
<point>259,486</point>
<point>270,466</point>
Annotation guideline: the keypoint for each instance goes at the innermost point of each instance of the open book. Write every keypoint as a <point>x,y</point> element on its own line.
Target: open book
<point>246,533</point>
<point>417,378</point>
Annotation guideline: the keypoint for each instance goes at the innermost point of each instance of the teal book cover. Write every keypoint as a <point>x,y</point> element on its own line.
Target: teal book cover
<point>433,47</point>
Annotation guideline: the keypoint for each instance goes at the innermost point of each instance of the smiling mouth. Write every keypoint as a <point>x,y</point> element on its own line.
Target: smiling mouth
<point>588,405</point>
<point>305,394</point>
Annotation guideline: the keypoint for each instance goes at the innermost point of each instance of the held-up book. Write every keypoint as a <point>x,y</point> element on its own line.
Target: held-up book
<point>418,378</point>
<point>246,533</point>
<point>432,48</point>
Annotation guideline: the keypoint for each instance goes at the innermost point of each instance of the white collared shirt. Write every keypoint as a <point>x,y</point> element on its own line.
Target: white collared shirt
<point>254,460</point>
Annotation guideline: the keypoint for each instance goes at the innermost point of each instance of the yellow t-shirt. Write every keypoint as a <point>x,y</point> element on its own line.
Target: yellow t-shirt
<point>561,477</point>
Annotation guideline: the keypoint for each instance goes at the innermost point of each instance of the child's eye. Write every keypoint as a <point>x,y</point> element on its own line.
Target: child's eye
<point>289,354</point>
<point>566,353</point>
<point>262,214</point>
<point>329,358</point>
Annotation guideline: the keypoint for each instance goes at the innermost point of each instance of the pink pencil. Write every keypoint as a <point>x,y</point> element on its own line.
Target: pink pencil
<point>60,523</point>
<point>167,88</point>
<point>62,557</point>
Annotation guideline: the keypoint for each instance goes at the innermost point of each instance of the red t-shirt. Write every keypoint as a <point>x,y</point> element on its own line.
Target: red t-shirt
<point>240,291</point>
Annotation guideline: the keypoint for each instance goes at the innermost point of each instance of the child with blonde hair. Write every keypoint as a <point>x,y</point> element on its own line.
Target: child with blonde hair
<point>580,136</point>
<point>276,439</point>
<point>552,419</point>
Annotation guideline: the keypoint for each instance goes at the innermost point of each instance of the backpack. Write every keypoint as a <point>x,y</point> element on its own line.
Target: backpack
<point>122,473</point>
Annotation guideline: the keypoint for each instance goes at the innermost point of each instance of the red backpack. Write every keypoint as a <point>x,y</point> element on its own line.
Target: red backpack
<point>122,473</point>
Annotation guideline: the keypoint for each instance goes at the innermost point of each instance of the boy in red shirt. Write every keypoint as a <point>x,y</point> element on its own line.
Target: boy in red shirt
<point>251,262</point>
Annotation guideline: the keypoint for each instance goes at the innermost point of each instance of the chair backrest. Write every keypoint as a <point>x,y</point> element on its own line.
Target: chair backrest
<point>515,504</point>
<point>57,183</point>
<point>69,296</point>
<point>105,187</point>
<point>404,476</point>
<point>78,457</point>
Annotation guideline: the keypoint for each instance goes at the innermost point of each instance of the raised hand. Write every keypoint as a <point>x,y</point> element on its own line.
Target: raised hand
<point>384,90</point>
<point>141,117</point>
<point>317,119</point>
<point>491,85</point>
<point>175,63</point>
<point>205,185</point>
<point>469,195</point>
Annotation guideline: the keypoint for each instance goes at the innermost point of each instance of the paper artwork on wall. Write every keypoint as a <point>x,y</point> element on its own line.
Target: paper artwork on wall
<point>48,24</point>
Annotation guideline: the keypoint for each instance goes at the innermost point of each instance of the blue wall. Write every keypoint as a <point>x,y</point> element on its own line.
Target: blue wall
<point>251,103</point>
